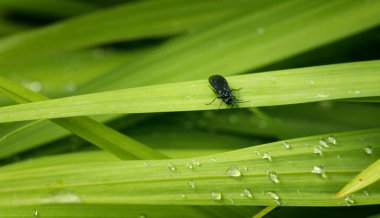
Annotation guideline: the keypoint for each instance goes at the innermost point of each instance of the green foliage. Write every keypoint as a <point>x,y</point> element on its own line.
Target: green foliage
<point>127,81</point>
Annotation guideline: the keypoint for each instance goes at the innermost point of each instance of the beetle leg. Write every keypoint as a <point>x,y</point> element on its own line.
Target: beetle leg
<point>212,101</point>
<point>220,105</point>
<point>236,89</point>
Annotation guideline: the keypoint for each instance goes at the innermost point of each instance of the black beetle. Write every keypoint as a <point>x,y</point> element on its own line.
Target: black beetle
<point>220,86</point>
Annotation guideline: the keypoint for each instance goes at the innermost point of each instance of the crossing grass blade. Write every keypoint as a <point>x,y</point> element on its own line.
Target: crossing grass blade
<point>293,86</point>
<point>163,182</point>
<point>100,135</point>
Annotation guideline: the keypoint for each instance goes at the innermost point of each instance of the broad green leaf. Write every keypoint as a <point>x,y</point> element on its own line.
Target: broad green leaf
<point>227,175</point>
<point>100,135</point>
<point>129,21</point>
<point>365,178</point>
<point>292,86</point>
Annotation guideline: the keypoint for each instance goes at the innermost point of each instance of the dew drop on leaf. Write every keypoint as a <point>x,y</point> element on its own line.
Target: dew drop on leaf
<point>318,150</point>
<point>349,201</point>
<point>273,177</point>
<point>216,196</point>
<point>318,169</point>
<point>35,213</point>
<point>286,145</point>
<point>368,150</point>
<point>191,184</point>
<point>275,197</point>
<point>233,172</point>
<point>331,139</point>
<point>246,193</point>
<point>196,163</point>
<point>323,143</point>
<point>366,192</point>
<point>189,165</point>
<point>267,156</point>
<point>171,167</point>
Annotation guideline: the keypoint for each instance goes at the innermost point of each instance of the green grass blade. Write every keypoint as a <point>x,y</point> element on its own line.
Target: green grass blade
<point>167,181</point>
<point>56,8</point>
<point>87,128</point>
<point>360,79</point>
<point>71,70</point>
<point>246,42</point>
<point>129,21</point>
<point>365,178</point>
<point>264,212</point>
<point>122,211</point>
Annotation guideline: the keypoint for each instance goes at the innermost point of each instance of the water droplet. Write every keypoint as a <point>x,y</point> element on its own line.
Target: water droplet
<point>191,184</point>
<point>189,165</point>
<point>331,139</point>
<point>349,201</point>
<point>311,82</point>
<point>273,177</point>
<point>142,216</point>
<point>233,172</point>
<point>245,168</point>
<point>318,169</point>
<point>267,156</point>
<point>257,153</point>
<point>368,150</point>
<point>323,143</point>
<point>216,196</point>
<point>357,92</point>
<point>62,196</point>
<point>338,157</point>
<point>318,150</point>
<point>286,145</point>
<point>35,213</point>
<point>146,164</point>
<point>171,167</point>
<point>260,31</point>
<point>290,162</point>
<point>246,193</point>
<point>183,196</point>
<point>275,197</point>
<point>213,159</point>
<point>196,163</point>
<point>366,192</point>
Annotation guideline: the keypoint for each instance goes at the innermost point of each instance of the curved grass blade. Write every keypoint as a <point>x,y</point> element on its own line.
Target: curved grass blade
<point>303,178</point>
<point>365,178</point>
<point>129,21</point>
<point>360,79</point>
<point>56,8</point>
<point>87,128</point>
<point>248,41</point>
